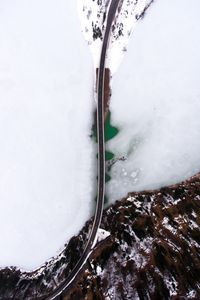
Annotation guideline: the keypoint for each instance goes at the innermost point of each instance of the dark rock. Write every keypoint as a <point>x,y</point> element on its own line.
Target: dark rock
<point>156,246</point>
<point>153,252</point>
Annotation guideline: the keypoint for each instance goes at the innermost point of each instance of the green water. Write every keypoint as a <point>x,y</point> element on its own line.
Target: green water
<point>110,132</point>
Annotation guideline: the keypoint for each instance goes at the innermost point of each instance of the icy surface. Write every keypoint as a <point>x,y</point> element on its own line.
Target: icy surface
<point>46,153</point>
<point>156,101</point>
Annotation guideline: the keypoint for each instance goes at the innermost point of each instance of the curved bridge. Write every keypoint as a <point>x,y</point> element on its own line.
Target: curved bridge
<point>101,160</point>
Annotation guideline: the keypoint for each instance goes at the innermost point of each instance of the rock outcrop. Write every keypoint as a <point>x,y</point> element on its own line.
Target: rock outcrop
<point>152,252</point>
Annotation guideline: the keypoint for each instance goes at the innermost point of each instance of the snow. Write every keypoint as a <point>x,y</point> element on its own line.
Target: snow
<point>192,294</point>
<point>100,236</point>
<point>92,16</point>
<point>193,225</point>
<point>99,270</point>
<point>156,101</point>
<point>171,284</point>
<point>46,154</point>
<point>135,253</point>
<point>166,224</point>
<point>194,214</point>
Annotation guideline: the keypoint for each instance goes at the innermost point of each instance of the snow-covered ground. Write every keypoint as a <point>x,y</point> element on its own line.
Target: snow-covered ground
<point>46,154</point>
<point>93,22</point>
<point>156,100</point>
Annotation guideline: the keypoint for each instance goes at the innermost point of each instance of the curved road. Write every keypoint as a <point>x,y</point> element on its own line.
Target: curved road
<point>101,161</point>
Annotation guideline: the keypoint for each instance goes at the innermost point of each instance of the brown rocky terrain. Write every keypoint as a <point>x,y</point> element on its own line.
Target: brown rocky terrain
<point>152,252</point>
<point>154,248</point>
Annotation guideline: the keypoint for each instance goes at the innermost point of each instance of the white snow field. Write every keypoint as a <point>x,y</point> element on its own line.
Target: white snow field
<point>46,154</point>
<point>156,101</point>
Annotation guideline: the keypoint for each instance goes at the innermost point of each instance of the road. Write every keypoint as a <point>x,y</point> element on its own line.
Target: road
<point>60,290</point>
